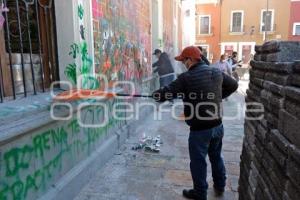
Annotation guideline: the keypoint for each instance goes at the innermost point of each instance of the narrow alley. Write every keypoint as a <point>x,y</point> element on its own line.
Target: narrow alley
<point>139,175</point>
<point>78,86</point>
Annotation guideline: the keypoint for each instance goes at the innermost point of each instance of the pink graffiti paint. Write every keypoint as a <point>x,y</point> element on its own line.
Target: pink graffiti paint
<point>3,9</point>
<point>129,52</point>
<point>97,9</point>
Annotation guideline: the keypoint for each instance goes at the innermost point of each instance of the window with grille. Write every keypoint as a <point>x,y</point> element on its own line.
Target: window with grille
<point>296,29</point>
<point>237,21</point>
<point>267,20</point>
<point>204,24</point>
<point>28,58</point>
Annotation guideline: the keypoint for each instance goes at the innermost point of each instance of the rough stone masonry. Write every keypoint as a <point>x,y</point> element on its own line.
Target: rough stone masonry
<point>270,160</point>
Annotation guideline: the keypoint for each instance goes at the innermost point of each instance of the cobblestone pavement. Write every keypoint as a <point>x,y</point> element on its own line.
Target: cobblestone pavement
<point>139,175</point>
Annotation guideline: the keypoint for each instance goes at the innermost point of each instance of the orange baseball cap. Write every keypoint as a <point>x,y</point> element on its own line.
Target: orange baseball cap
<point>189,52</point>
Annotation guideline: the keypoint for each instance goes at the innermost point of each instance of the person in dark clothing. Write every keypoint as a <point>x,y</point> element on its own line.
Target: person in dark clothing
<point>202,89</point>
<point>203,57</point>
<point>232,60</point>
<point>234,63</point>
<point>164,68</point>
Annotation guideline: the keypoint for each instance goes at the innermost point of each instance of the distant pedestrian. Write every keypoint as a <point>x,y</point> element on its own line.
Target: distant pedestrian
<point>202,56</point>
<point>234,64</point>
<point>164,68</point>
<point>224,66</point>
<point>233,61</point>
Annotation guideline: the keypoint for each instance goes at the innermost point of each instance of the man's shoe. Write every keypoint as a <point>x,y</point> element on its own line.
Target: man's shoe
<point>191,194</point>
<point>219,191</point>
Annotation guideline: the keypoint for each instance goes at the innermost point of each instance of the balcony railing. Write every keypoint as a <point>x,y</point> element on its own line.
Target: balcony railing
<point>251,30</point>
<point>209,33</point>
<point>236,29</point>
<point>271,29</point>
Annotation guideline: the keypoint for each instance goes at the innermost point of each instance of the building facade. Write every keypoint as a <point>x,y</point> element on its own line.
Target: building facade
<point>294,25</point>
<point>230,25</point>
<point>244,26</point>
<point>188,28</point>
<point>208,28</point>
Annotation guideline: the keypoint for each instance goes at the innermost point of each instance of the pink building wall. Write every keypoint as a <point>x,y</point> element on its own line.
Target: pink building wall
<point>294,18</point>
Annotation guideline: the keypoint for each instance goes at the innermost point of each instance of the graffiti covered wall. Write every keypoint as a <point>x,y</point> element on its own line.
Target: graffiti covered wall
<point>122,39</point>
<point>168,17</point>
<point>32,164</point>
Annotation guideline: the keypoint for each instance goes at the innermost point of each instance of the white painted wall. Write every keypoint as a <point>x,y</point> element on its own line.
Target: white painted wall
<point>188,23</point>
<point>65,27</point>
<point>157,26</point>
<point>160,20</point>
<point>155,23</point>
<point>68,31</point>
<point>88,24</point>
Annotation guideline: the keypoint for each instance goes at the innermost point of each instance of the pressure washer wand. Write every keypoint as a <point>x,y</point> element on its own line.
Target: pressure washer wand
<point>87,94</point>
<point>140,95</point>
<point>133,95</point>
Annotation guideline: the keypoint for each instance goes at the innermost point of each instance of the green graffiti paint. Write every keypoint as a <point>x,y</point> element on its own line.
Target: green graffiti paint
<point>33,166</point>
<point>39,179</point>
<point>30,184</point>
<point>71,73</point>
<point>35,181</point>
<point>89,81</point>
<point>38,146</point>
<point>10,160</point>
<point>19,158</point>
<point>80,12</point>
<point>17,190</point>
<point>75,128</point>
<point>4,192</point>
<point>122,46</point>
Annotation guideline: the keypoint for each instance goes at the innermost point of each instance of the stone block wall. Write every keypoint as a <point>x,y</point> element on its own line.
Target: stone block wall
<point>270,164</point>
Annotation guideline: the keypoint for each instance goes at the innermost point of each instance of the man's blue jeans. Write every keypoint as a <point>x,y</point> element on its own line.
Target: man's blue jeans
<point>166,80</point>
<point>202,143</point>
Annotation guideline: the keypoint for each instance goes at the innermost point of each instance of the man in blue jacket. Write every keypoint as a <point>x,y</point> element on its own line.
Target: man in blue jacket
<point>202,89</point>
